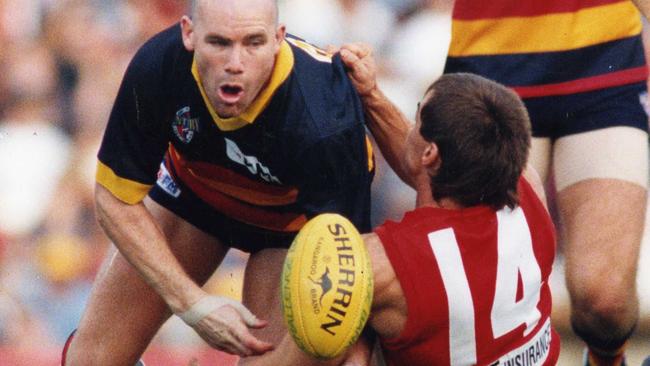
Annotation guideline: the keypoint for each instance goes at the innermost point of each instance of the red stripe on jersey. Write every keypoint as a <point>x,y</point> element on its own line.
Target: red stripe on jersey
<point>617,78</point>
<point>225,181</point>
<point>241,211</point>
<point>473,10</point>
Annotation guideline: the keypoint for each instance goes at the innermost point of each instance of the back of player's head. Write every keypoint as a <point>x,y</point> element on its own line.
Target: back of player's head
<point>482,131</point>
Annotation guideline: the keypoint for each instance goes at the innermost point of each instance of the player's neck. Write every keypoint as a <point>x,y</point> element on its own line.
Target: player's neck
<point>449,204</point>
<point>424,198</point>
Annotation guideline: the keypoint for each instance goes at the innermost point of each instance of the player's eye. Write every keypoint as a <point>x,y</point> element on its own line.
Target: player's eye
<point>218,41</point>
<point>256,41</point>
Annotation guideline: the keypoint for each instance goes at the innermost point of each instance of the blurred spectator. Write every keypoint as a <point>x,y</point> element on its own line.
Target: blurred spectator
<point>21,19</point>
<point>94,48</point>
<point>52,287</point>
<point>325,22</point>
<point>33,151</point>
<point>155,15</point>
<point>416,53</point>
<point>18,328</point>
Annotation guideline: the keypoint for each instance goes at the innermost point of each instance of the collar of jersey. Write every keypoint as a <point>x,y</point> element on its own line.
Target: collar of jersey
<point>281,70</point>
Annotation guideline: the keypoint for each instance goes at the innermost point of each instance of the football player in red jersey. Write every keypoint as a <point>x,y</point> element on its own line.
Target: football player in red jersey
<point>463,278</point>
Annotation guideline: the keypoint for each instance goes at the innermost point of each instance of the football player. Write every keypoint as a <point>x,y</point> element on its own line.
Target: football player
<point>225,133</point>
<point>583,81</point>
<point>463,278</point>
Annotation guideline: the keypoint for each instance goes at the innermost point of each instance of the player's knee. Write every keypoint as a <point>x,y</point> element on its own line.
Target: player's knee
<point>80,350</point>
<point>605,310</point>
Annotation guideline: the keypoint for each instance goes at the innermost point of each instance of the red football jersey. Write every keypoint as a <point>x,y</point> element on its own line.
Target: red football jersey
<point>476,285</point>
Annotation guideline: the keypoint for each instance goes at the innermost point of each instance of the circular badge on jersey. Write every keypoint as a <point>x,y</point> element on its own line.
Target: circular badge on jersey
<point>184,126</point>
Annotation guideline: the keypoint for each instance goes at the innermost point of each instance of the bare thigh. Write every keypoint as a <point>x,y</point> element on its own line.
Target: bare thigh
<point>123,313</point>
<point>262,296</point>
<point>540,156</point>
<point>601,177</point>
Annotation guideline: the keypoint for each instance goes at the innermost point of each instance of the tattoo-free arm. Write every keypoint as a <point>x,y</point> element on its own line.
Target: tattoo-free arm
<point>223,323</point>
<point>387,123</point>
<point>135,233</point>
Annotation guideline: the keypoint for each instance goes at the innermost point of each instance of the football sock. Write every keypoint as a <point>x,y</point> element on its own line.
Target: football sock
<point>66,346</point>
<point>598,357</point>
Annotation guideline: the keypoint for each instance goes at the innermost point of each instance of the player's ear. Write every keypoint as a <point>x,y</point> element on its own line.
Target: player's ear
<point>280,33</point>
<point>431,159</point>
<point>187,30</point>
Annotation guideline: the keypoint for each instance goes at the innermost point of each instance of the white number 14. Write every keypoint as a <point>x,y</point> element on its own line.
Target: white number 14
<point>515,258</point>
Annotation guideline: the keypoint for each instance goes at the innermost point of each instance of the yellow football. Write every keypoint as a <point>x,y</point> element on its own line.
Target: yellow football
<point>326,286</point>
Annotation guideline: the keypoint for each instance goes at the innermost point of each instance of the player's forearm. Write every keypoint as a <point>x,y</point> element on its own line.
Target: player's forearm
<point>389,127</point>
<point>133,230</point>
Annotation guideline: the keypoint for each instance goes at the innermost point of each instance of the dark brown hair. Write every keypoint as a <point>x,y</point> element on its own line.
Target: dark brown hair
<point>482,132</point>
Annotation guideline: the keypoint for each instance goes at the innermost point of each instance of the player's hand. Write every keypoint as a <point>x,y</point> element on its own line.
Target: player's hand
<point>362,68</point>
<point>224,324</point>
<point>358,354</point>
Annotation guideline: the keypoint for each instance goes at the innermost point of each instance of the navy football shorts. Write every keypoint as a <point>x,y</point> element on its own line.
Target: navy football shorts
<point>562,115</point>
<point>172,194</point>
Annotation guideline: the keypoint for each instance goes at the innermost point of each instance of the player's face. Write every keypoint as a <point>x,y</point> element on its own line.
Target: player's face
<point>235,43</point>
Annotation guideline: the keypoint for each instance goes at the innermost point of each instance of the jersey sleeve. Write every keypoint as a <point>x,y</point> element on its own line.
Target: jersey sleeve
<point>337,173</point>
<point>134,140</point>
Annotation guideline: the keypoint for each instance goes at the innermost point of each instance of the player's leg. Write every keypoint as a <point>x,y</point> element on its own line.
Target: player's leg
<point>262,296</point>
<point>540,156</point>
<point>124,313</point>
<point>601,179</point>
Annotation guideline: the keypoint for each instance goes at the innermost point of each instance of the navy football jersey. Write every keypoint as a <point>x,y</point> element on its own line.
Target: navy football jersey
<point>299,150</point>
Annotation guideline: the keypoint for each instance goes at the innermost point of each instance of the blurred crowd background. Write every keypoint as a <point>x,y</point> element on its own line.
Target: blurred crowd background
<point>61,63</point>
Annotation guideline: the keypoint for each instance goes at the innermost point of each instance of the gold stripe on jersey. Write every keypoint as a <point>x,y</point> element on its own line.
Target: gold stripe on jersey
<point>125,190</point>
<point>553,32</point>
<point>283,66</point>
<point>371,157</point>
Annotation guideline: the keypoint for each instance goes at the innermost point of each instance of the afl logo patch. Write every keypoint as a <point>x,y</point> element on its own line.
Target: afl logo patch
<point>184,126</point>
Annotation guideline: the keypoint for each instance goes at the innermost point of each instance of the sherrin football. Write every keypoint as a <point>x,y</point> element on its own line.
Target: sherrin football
<point>326,286</point>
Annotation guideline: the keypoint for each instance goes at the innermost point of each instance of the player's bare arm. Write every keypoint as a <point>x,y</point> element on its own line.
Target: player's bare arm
<point>221,323</point>
<point>387,123</point>
<point>388,312</point>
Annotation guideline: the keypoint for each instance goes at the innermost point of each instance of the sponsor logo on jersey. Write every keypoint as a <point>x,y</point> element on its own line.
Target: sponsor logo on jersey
<point>184,126</point>
<point>252,163</point>
<point>532,353</point>
<point>166,182</point>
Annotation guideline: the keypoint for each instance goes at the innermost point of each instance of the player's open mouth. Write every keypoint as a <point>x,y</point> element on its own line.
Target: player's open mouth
<point>230,93</point>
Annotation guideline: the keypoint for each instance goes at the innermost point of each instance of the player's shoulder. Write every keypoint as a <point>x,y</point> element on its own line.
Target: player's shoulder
<point>328,96</point>
<point>161,55</point>
<point>377,253</point>
<point>384,276</point>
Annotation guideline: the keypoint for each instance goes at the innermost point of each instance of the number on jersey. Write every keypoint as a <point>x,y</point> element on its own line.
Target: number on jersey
<point>516,260</point>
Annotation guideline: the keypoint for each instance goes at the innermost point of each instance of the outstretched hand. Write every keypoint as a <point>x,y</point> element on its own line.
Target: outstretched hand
<point>362,67</point>
<point>224,324</point>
